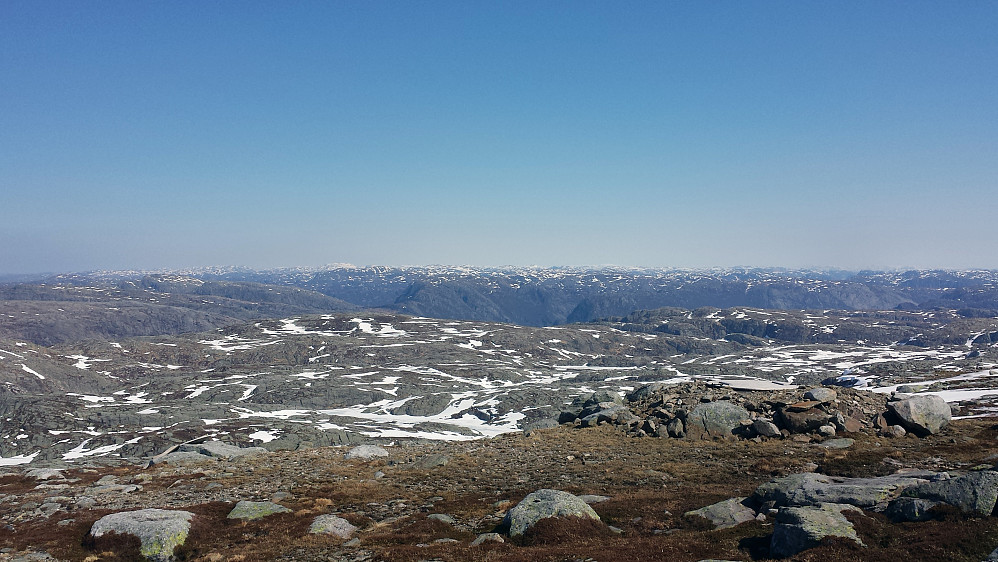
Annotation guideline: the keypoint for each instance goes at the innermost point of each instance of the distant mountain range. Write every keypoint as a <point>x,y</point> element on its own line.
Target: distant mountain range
<point>129,303</point>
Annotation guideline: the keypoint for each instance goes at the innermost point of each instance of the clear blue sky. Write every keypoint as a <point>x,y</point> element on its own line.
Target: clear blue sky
<point>689,134</point>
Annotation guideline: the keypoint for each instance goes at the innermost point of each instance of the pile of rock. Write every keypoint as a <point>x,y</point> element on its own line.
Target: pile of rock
<point>597,408</point>
<point>703,410</point>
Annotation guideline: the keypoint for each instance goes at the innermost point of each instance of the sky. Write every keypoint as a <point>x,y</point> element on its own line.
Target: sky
<point>152,135</point>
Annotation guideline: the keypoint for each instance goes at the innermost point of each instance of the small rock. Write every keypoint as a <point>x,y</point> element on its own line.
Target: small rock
<point>431,461</point>
<point>366,452</point>
<point>766,428</point>
<point>45,474</point>
<point>246,509</point>
<point>910,509</point>
<point>727,513</point>
<point>332,525</point>
<point>488,537</point>
<point>442,518</point>
<point>895,431</point>
<point>85,502</point>
<point>841,443</point>
<point>676,428</point>
<point>821,394</point>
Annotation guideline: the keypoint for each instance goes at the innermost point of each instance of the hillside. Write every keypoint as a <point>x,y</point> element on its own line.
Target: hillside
<point>535,296</point>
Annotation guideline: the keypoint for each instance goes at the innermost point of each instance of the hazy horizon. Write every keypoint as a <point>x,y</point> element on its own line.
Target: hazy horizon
<point>330,266</point>
<point>177,135</point>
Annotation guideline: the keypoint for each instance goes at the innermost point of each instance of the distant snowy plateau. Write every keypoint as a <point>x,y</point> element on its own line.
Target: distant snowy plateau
<point>327,379</point>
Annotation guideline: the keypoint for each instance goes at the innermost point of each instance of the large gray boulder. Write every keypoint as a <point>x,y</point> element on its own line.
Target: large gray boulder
<point>801,528</point>
<point>922,415</point>
<point>159,530</point>
<point>366,452</point>
<point>715,419</point>
<point>222,450</point>
<point>975,493</point>
<point>332,525</point>
<point>727,513</point>
<point>809,488</point>
<point>543,504</point>
<point>178,458</point>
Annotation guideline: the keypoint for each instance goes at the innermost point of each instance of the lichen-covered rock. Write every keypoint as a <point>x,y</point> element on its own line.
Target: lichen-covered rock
<point>975,493</point>
<point>801,528</point>
<point>159,530</point>
<point>366,452</point>
<point>332,525</point>
<point>255,510</point>
<point>543,504</point>
<point>727,513</point>
<point>715,419</point>
<point>809,488</point>
<point>922,415</point>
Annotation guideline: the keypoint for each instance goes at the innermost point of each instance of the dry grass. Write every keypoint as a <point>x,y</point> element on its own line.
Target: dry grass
<point>651,483</point>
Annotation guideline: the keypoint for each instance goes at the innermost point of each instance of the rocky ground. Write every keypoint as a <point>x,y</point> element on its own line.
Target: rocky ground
<point>440,500</point>
<point>340,379</point>
<point>672,435</point>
